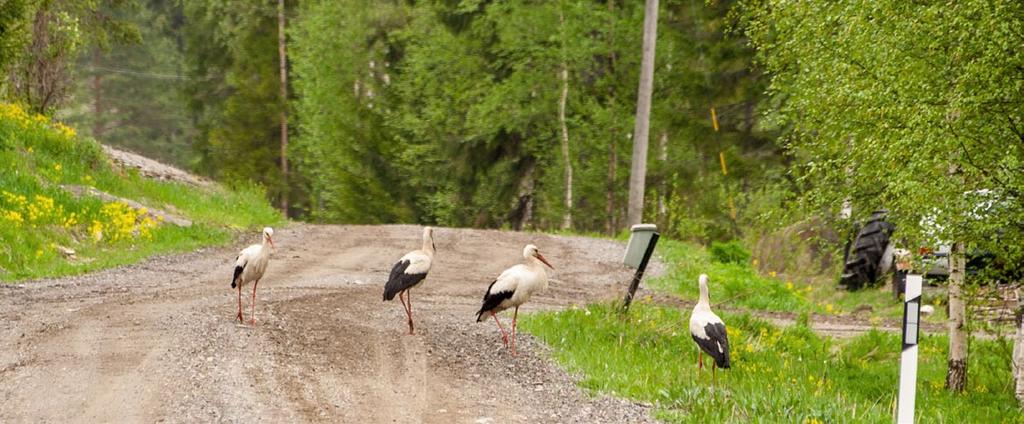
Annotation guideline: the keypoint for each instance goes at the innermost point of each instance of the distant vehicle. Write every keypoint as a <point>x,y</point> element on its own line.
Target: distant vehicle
<point>871,253</point>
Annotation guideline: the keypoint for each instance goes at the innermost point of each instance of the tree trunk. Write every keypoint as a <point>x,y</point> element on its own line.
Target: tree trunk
<point>609,205</point>
<point>663,197</point>
<point>956,374</point>
<point>638,166</point>
<point>609,211</point>
<point>522,214</point>
<point>567,216</point>
<point>1018,350</point>
<point>283,59</point>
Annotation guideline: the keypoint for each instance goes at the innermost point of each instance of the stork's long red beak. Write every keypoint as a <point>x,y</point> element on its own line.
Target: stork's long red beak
<point>541,257</point>
<point>271,240</point>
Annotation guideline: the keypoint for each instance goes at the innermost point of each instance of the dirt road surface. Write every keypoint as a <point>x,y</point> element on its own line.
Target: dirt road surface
<point>157,341</point>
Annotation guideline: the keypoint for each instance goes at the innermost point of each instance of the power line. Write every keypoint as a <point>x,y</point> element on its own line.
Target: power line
<point>153,75</point>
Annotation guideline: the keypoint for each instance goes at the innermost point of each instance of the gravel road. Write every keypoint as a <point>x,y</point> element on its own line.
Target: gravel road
<point>157,341</point>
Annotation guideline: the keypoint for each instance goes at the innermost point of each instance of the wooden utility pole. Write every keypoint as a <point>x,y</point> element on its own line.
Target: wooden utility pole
<point>284,105</point>
<point>638,167</point>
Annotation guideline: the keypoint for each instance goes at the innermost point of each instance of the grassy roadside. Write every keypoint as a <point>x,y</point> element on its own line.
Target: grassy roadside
<point>40,221</point>
<point>779,375</point>
<point>738,285</point>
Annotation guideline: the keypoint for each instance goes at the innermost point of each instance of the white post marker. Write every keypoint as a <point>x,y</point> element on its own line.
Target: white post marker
<point>908,360</point>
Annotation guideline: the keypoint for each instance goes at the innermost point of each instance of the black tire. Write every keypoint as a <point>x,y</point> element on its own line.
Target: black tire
<point>865,252</point>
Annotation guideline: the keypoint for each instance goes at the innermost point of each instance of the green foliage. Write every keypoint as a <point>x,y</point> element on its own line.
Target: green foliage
<point>732,252</point>
<point>38,218</point>
<point>445,113</point>
<point>911,106</point>
<point>778,375</point>
<point>41,39</point>
<point>231,57</point>
<point>14,32</point>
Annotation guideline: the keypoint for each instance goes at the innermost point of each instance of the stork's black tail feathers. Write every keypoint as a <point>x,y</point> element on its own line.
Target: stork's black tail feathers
<point>491,301</point>
<point>238,274</point>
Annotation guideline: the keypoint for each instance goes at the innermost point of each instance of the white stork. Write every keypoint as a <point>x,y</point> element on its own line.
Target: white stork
<point>708,330</point>
<point>249,267</point>
<point>409,272</point>
<point>513,288</point>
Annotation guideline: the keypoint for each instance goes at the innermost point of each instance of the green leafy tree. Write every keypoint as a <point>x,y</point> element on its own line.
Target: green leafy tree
<point>51,34</point>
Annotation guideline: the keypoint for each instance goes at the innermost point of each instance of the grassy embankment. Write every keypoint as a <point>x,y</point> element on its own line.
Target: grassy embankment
<point>778,375</point>
<point>39,220</point>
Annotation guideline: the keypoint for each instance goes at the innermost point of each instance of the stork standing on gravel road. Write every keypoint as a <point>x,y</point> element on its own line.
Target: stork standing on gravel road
<point>513,288</point>
<point>249,267</point>
<point>409,272</point>
<point>708,330</point>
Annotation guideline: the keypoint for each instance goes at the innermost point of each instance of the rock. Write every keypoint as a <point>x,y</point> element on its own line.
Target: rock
<point>927,309</point>
<point>68,253</point>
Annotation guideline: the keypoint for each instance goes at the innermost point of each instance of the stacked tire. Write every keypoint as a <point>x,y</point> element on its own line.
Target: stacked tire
<point>865,254</point>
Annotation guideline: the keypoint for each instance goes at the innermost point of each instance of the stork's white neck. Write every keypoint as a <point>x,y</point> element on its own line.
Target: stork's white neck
<point>428,243</point>
<point>704,302</point>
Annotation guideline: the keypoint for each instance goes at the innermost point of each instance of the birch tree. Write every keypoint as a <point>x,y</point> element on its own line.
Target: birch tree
<point>567,160</point>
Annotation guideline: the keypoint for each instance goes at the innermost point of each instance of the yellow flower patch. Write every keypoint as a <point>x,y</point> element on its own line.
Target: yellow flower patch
<point>14,218</point>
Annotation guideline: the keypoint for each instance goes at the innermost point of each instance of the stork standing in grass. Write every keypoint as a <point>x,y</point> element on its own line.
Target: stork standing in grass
<point>409,272</point>
<point>708,331</point>
<point>249,267</point>
<point>513,288</point>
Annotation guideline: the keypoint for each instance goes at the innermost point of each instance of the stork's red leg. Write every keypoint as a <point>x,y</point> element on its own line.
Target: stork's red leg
<point>504,335</point>
<point>714,366</point>
<point>408,295</point>
<point>406,307</point>
<point>239,303</point>
<point>514,316</point>
<point>700,360</point>
<point>253,317</point>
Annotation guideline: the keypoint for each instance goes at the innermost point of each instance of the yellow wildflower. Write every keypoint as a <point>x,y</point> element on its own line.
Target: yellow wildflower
<point>65,130</point>
<point>96,230</point>
<point>13,217</point>
<point>70,220</point>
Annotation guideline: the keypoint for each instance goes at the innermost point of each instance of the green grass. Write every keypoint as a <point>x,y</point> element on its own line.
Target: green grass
<point>38,217</point>
<point>778,375</point>
<point>736,285</point>
<point>740,286</point>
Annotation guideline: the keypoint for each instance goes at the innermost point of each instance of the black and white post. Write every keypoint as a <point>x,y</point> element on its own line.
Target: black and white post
<point>639,250</point>
<point>908,360</point>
